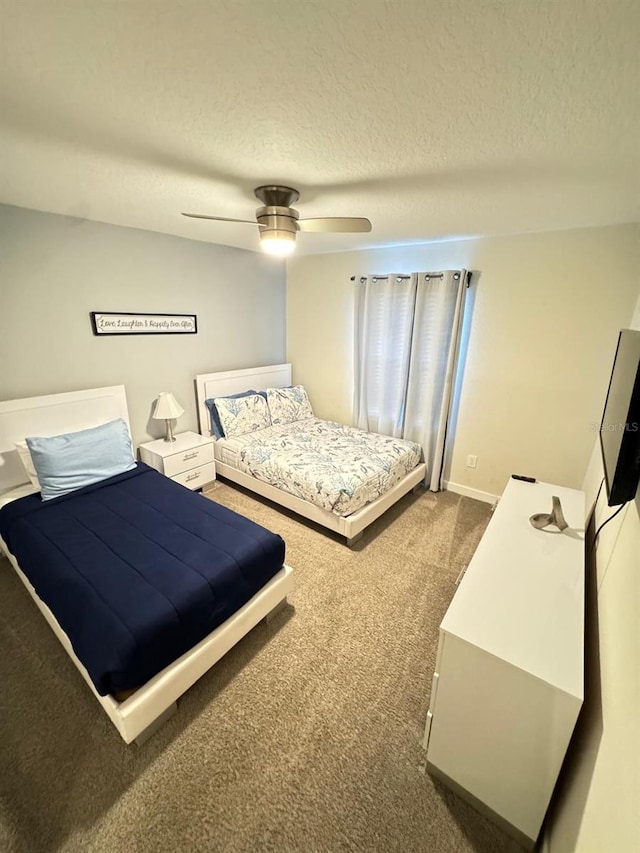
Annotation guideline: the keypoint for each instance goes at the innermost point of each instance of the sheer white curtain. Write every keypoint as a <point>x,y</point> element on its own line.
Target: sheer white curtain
<point>406,343</point>
<point>436,337</point>
<point>384,314</point>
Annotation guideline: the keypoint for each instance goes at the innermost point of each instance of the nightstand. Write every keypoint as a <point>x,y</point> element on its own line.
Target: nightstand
<point>187,460</point>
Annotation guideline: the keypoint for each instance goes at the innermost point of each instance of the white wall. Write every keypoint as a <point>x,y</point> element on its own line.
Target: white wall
<point>597,807</point>
<point>543,317</point>
<point>54,270</point>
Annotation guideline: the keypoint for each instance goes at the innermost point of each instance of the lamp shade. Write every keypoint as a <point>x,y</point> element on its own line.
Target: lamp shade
<point>167,407</point>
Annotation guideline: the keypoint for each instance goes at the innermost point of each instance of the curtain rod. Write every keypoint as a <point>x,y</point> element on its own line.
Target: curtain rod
<point>403,277</point>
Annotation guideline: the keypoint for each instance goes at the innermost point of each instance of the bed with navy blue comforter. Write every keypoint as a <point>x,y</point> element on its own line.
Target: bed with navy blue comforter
<point>137,569</point>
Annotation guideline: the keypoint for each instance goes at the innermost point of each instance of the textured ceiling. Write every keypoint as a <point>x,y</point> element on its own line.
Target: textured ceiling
<point>434,118</point>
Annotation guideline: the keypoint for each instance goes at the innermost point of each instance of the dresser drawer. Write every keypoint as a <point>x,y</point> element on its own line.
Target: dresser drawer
<point>196,477</point>
<point>194,457</point>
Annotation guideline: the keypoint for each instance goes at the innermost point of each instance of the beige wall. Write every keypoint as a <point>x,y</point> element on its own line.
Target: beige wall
<point>54,270</point>
<point>543,317</point>
<point>545,313</point>
<point>596,807</point>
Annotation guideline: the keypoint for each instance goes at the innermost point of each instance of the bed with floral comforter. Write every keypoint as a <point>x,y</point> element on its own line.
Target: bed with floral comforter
<point>335,467</point>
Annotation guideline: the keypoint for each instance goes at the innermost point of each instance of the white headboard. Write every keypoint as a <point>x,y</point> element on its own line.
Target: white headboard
<point>210,385</point>
<point>53,414</point>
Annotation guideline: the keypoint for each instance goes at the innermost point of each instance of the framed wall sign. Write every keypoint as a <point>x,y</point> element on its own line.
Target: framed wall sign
<point>104,323</point>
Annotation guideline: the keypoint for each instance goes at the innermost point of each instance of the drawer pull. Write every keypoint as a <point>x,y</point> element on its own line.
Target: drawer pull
<point>461,575</point>
<point>192,477</point>
<point>190,456</point>
<point>434,690</point>
<point>427,730</point>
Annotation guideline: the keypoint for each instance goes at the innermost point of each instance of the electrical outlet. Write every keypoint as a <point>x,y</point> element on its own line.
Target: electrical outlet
<point>472,461</point>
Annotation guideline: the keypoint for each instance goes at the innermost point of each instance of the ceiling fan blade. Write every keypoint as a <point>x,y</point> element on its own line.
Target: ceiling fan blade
<point>219,218</point>
<point>346,224</point>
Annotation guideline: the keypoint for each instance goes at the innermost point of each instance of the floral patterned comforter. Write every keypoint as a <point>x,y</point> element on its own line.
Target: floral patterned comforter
<point>336,467</point>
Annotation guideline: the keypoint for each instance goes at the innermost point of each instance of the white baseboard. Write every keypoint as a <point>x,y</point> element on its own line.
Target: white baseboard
<point>468,492</point>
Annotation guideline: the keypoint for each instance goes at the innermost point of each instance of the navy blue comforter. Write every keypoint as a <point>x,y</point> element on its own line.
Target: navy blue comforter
<point>138,569</point>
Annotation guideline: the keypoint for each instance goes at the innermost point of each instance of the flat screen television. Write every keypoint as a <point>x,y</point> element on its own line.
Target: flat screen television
<point>620,427</point>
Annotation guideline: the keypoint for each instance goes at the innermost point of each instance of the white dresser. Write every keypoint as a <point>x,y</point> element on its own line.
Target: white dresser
<point>187,460</point>
<point>508,685</point>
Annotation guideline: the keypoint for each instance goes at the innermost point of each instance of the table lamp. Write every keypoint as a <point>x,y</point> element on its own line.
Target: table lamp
<point>166,409</point>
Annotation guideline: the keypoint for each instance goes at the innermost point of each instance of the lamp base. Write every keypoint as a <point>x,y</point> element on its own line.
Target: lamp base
<point>169,435</point>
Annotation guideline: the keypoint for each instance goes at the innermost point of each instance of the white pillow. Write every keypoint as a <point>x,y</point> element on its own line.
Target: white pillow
<point>243,414</point>
<point>288,404</point>
<point>27,462</point>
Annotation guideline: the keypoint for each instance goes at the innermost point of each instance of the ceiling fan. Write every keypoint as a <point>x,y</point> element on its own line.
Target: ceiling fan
<point>279,223</point>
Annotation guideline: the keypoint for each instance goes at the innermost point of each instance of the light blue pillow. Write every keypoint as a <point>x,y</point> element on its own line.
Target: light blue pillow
<point>71,461</point>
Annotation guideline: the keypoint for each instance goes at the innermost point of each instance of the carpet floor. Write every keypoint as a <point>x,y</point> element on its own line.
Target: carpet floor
<point>306,736</point>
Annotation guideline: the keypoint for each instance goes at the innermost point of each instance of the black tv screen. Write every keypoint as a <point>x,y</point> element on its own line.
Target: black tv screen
<point>620,428</point>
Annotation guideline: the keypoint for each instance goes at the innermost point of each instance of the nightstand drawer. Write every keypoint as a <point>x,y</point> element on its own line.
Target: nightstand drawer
<point>194,457</point>
<point>196,477</point>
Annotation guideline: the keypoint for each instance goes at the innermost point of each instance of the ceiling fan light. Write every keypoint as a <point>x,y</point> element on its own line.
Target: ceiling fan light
<point>278,242</point>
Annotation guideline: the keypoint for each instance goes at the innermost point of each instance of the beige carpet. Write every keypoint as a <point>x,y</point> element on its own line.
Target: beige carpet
<point>305,737</point>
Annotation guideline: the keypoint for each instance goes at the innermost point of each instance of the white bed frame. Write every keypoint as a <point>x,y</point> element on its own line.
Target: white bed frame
<point>210,385</point>
<point>137,717</point>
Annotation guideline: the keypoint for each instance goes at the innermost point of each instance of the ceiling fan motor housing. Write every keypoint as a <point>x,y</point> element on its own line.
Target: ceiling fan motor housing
<point>277,219</point>
<point>274,219</point>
